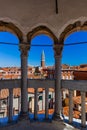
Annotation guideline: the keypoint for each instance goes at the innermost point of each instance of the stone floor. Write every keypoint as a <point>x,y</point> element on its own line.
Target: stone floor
<point>26,125</point>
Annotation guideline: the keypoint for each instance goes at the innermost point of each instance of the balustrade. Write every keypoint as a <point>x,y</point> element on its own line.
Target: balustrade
<point>76,86</point>
<point>46,84</point>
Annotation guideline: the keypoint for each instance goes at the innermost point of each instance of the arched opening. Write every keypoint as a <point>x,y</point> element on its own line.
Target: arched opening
<point>74,39</point>
<point>38,44</point>
<point>74,62</point>
<point>9,51</point>
<point>10,27</point>
<point>41,66</point>
<point>75,47</point>
<point>9,69</point>
<point>41,40</point>
<point>48,42</point>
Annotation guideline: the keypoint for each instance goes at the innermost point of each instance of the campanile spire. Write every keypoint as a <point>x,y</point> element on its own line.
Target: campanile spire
<point>43,59</point>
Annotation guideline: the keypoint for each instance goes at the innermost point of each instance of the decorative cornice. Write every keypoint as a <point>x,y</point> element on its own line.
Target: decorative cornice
<point>10,27</point>
<point>74,27</point>
<point>41,30</point>
<point>24,48</point>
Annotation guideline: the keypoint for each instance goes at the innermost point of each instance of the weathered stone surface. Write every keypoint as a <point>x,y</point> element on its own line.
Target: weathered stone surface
<point>26,125</point>
<point>23,16</point>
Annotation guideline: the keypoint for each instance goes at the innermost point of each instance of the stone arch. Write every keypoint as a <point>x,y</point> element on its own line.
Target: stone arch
<point>45,30</point>
<point>74,27</point>
<point>41,30</point>
<point>10,27</point>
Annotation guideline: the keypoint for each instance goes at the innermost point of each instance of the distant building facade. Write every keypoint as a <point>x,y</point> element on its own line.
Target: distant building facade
<point>42,71</point>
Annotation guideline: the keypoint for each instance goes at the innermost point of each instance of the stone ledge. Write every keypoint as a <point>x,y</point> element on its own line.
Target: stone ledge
<point>26,125</point>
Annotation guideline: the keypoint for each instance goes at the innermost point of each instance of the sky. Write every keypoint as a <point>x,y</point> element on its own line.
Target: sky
<point>71,55</point>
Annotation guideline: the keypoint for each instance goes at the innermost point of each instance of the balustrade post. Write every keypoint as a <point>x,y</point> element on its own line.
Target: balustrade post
<point>36,103</point>
<point>83,114</point>
<point>70,106</point>
<point>46,102</point>
<point>24,47</point>
<point>43,100</point>
<point>10,111</point>
<point>19,104</point>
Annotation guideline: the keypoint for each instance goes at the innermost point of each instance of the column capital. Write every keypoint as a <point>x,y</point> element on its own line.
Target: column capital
<point>58,49</point>
<point>24,47</point>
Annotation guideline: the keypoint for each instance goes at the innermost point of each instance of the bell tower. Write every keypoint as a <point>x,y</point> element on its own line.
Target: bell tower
<point>43,59</point>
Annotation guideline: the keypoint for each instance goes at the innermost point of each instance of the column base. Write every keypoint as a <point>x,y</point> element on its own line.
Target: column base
<point>35,118</point>
<point>57,117</point>
<point>70,123</point>
<point>47,120</point>
<point>10,120</point>
<point>83,126</point>
<point>23,116</point>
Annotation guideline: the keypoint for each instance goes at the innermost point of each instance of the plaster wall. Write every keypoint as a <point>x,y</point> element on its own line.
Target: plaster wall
<point>28,14</point>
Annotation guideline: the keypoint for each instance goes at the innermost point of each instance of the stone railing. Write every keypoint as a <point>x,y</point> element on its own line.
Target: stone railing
<point>32,83</point>
<point>71,85</point>
<point>79,85</point>
<point>41,83</point>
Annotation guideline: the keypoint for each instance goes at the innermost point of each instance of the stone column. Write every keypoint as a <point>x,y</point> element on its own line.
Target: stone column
<point>0,99</point>
<point>58,96</point>
<point>24,47</point>
<point>70,106</point>
<point>10,111</point>
<point>46,102</point>
<point>35,103</point>
<point>83,114</point>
